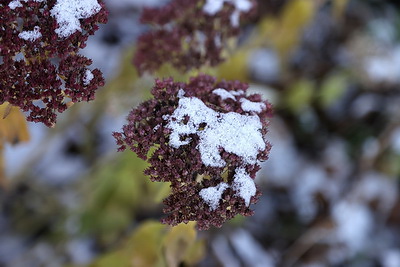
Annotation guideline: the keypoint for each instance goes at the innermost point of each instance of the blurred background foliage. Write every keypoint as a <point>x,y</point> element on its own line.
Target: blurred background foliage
<point>330,188</point>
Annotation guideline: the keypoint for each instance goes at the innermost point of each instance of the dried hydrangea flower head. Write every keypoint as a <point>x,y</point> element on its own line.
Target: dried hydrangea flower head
<point>208,139</point>
<point>40,70</point>
<point>189,33</point>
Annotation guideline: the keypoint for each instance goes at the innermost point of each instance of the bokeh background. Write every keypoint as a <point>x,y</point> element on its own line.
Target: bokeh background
<point>330,188</point>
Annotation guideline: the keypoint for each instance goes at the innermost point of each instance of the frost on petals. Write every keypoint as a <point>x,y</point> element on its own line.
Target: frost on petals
<point>88,77</point>
<point>14,4</point>
<point>244,185</point>
<point>69,12</point>
<point>220,130</point>
<point>207,147</point>
<point>212,195</point>
<point>31,35</point>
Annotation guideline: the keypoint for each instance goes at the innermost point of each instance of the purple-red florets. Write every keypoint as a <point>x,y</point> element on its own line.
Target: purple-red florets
<point>149,133</point>
<point>186,35</point>
<point>40,71</point>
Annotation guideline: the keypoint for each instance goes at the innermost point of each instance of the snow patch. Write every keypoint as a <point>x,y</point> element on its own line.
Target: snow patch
<point>244,185</point>
<point>69,12</point>
<point>212,195</point>
<point>249,106</point>
<point>17,3</point>
<point>31,35</point>
<point>14,4</point>
<point>223,94</point>
<point>88,77</point>
<point>222,130</point>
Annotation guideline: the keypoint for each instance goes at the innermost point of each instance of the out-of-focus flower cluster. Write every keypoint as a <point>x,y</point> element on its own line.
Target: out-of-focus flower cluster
<point>40,70</point>
<point>206,139</point>
<point>189,34</point>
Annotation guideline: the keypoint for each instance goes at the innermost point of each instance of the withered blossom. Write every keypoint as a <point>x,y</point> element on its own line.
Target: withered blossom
<point>40,68</point>
<point>206,138</point>
<point>189,33</point>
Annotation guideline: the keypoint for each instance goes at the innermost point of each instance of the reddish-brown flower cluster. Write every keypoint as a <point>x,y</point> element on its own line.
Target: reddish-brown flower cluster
<point>189,33</point>
<point>40,70</point>
<point>206,139</point>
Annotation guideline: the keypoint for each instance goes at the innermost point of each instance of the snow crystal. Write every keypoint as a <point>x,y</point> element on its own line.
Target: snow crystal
<point>224,94</point>
<point>17,3</point>
<point>222,130</point>
<point>212,7</point>
<point>69,12</point>
<point>14,4</point>
<point>181,93</point>
<point>88,77</point>
<point>249,106</point>
<point>212,195</point>
<point>244,185</point>
<point>31,35</point>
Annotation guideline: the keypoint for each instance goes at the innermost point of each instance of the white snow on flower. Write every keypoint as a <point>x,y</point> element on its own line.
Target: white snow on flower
<point>14,4</point>
<point>69,12</point>
<point>156,127</point>
<point>244,185</point>
<point>224,94</point>
<point>212,195</point>
<point>222,130</point>
<point>181,93</point>
<point>88,77</point>
<point>17,3</point>
<point>212,7</point>
<point>31,35</point>
<point>249,106</point>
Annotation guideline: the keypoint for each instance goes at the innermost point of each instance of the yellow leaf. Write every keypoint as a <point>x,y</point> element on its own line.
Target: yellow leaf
<point>13,128</point>
<point>332,88</point>
<point>285,32</point>
<point>235,67</point>
<point>177,243</point>
<point>162,191</point>
<point>116,259</point>
<point>300,95</point>
<point>144,247</point>
<point>339,7</point>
